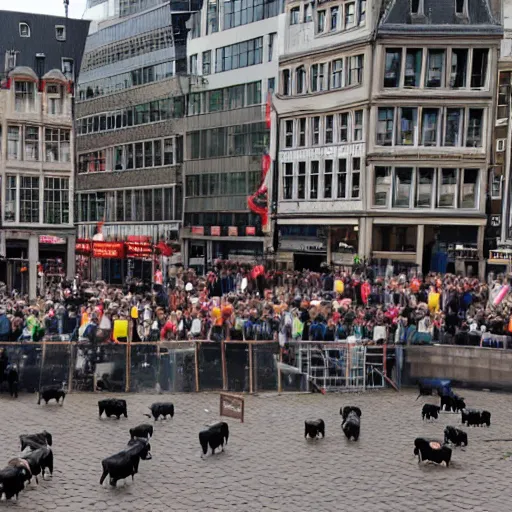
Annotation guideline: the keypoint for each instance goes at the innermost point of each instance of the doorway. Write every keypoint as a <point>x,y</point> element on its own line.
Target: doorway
<point>311,262</point>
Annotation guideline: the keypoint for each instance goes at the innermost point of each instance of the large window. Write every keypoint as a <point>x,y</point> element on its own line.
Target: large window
<point>479,68</point>
<point>385,126</point>
<point>207,62</point>
<point>435,68</point>
<point>430,127</point>
<point>314,179</point>
<point>413,61</point>
<point>10,198</point>
<point>393,66</point>
<point>475,122</point>
<point>24,96</point>
<point>458,72</point>
<point>239,55</point>
<point>381,186</point>
<point>29,199</point>
<point>13,143</point>
<point>288,181</point>
<point>407,124</point>
<point>288,134</point>
<point>31,143</point>
<point>403,187</point>
<point>238,12</point>
<point>57,148</point>
<point>56,201</point>
<point>212,17</point>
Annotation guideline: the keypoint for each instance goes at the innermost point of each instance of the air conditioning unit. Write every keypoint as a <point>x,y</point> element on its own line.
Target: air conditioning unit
<point>500,145</point>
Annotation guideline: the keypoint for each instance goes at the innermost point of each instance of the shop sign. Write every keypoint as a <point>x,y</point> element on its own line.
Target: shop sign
<point>113,250</point>
<point>198,230</point>
<point>138,249</point>
<point>83,246</point>
<point>232,231</point>
<point>215,230</point>
<point>138,238</point>
<point>50,239</point>
<point>250,230</point>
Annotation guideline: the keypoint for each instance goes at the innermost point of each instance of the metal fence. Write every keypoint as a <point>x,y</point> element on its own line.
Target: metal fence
<point>191,366</point>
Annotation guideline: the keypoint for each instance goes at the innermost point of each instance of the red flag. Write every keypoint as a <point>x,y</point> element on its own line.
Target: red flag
<point>268,108</point>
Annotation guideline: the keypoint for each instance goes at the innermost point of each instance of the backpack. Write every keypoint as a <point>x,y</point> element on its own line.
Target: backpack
<point>5,326</point>
<point>297,328</point>
<point>317,332</point>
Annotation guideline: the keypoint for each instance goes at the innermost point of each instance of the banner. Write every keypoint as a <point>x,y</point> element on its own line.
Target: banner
<point>215,231</point>
<point>198,230</point>
<point>83,246</point>
<point>108,250</point>
<point>50,239</point>
<point>250,230</point>
<point>138,249</point>
<point>232,231</point>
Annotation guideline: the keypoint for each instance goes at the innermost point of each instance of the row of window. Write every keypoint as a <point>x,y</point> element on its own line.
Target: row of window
<point>320,130</point>
<point>223,219</point>
<point>24,143</point>
<point>116,83</point>
<point>430,126</point>
<point>152,112</point>
<point>239,55</point>
<point>342,16</point>
<point>454,68</point>
<point>228,98</point>
<point>242,12</point>
<point>138,205</point>
<point>325,76</point>
<point>25,97</point>
<point>322,179</point>
<point>126,49</point>
<point>138,155</point>
<point>24,192</point>
<point>239,140</point>
<point>127,7</point>
<point>60,31</point>
<point>425,187</point>
<point>224,183</point>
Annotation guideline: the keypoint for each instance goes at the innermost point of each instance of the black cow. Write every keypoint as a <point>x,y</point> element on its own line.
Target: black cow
<point>352,426</point>
<point>212,437</point>
<point>345,411</point>
<point>223,428</point>
<point>453,403</point>
<point>35,441</point>
<point>113,407</point>
<point>126,462</point>
<point>313,428</point>
<point>12,481</point>
<point>39,461</point>
<point>475,417</point>
<point>52,393</point>
<point>430,411</point>
<point>432,450</point>
<point>143,430</point>
<point>455,436</point>
<point>161,409</point>
<point>20,463</point>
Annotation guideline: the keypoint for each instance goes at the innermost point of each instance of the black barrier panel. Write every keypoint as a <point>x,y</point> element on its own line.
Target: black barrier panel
<point>83,367</point>
<point>110,367</point>
<point>177,369</point>
<point>210,366</point>
<point>27,357</point>
<point>264,364</point>
<point>57,360</point>
<point>144,368</point>
<point>237,366</point>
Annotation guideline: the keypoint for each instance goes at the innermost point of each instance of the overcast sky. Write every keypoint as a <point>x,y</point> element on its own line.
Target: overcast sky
<point>55,7</point>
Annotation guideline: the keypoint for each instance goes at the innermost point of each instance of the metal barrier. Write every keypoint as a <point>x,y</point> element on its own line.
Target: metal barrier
<point>186,366</point>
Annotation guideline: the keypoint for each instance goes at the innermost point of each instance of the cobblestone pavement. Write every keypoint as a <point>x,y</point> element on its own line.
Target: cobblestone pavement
<point>267,465</point>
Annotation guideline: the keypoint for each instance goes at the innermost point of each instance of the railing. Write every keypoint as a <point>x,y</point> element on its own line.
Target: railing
<point>193,366</point>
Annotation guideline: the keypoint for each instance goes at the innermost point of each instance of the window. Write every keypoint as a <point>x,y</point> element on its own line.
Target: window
<point>315,130</point>
<point>415,6</point>
<point>288,181</point>
<point>407,126</point>
<point>286,82</point>
<point>271,45</point>
<point>57,146</point>
<point>60,32</point>
<point>320,21</point>
<point>447,188</point>
<point>496,182</point>
<point>300,79</point>
<point>469,188</point>
<point>424,187</point>
<point>403,187</point>
<point>362,11</point>
<point>474,135</point>
<point>207,62</point>
<point>254,93</point>
<point>168,151</point>
<point>302,132</point>
<point>29,199</point>
<point>194,104</point>
<point>54,99</point>
<point>294,16</point>
<point>314,77</point>
<point>350,14</point>
<point>334,17</point>
<point>271,84</point>
<point>459,6</point>
<point>429,127</point>
<point>479,68</point>
<point>24,96</point>
<point>458,73</point>
<point>24,30</point>
<point>328,179</point>
<point>381,186</point>
<point>358,125</point>
<point>10,198</point>
<point>31,143</point>
<point>453,129</point>
<point>193,64</point>
<point>236,96</point>
<point>301,182</point>
<point>500,145</point>
<point>68,68</point>
<point>341,186</point>
<point>356,70</point>
<point>240,55</point>
<point>329,130</point>
<point>337,74</point>
<point>435,68</point>
<point>413,60</point>
<point>343,127</point>
<point>13,143</point>
<point>56,201</point>
<point>392,67</point>
<point>356,177</point>
<point>313,179</point>
<point>288,134</point>
<point>385,126</point>
<point>212,19</point>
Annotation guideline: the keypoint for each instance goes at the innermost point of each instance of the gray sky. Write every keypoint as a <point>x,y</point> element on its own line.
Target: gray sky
<point>55,7</point>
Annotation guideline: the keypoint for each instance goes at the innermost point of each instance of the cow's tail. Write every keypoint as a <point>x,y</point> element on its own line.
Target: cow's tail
<point>104,475</point>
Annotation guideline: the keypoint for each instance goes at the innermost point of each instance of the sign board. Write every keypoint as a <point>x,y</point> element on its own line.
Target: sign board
<point>496,221</point>
<point>215,230</point>
<point>108,250</point>
<point>198,230</point>
<point>50,239</point>
<point>232,406</point>
<point>138,249</point>
<point>232,231</point>
<point>83,246</point>
<point>250,230</point>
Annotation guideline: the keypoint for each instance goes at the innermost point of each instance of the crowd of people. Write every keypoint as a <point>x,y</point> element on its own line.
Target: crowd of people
<point>242,302</point>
